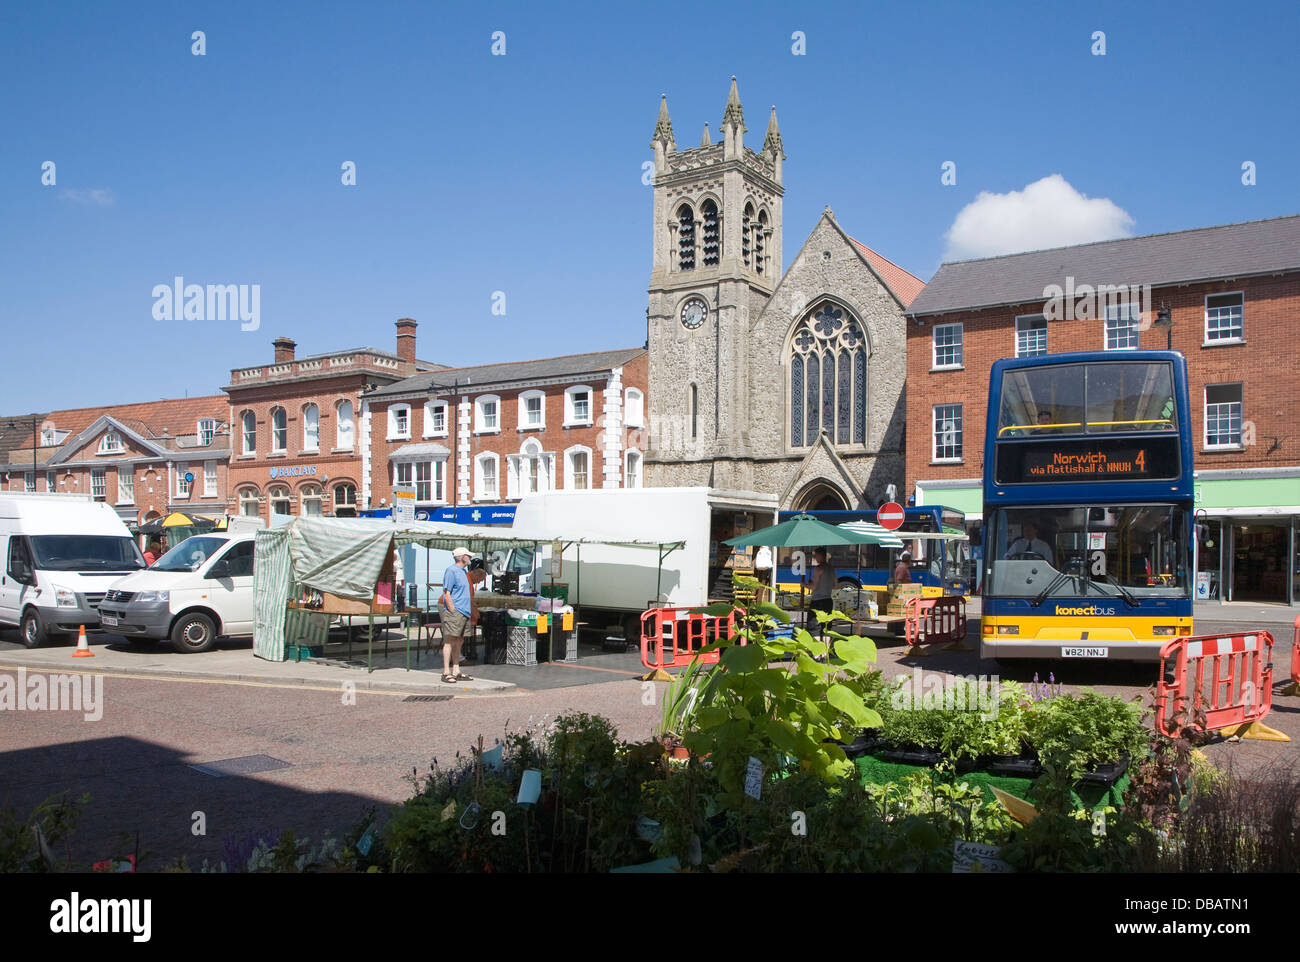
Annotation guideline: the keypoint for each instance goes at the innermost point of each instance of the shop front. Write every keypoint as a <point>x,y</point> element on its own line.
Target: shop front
<point>1249,548</point>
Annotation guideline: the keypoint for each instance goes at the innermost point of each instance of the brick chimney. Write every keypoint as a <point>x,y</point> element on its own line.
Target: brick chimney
<point>406,340</point>
<point>283,349</point>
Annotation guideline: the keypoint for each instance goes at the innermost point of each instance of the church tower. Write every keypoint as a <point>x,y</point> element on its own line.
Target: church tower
<point>717,260</point>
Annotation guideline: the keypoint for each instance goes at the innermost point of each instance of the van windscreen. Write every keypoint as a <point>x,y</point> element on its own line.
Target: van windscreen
<point>82,552</point>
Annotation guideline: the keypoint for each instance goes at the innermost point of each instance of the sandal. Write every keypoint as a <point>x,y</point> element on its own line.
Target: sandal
<point>448,679</point>
<point>464,677</point>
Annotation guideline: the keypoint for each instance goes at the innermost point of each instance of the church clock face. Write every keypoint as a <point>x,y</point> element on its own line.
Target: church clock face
<point>694,313</point>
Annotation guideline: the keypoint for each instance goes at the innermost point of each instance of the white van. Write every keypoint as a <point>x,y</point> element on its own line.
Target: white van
<point>61,552</point>
<point>195,593</point>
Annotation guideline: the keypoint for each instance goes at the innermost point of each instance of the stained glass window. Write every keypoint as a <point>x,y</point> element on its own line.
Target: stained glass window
<point>828,378</point>
<point>859,398</point>
<point>814,405</point>
<point>844,398</point>
<point>796,401</point>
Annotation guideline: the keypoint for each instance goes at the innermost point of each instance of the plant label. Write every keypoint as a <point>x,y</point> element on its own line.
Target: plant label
<point>754,778</point>
<point>970,857</point>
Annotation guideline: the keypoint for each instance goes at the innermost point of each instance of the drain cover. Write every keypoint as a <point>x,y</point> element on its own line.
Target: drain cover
<point>244,765</point>
<point>427,698</point>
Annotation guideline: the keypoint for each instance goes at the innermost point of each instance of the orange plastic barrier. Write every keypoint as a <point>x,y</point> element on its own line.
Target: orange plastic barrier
<point>934,620</point>
<point>1212,682</point>
<point>671,637</point>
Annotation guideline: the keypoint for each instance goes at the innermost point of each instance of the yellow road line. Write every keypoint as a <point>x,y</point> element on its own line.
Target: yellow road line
<point>238,681</point>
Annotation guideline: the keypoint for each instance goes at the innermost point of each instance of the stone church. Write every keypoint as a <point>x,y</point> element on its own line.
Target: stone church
<point>785,384</point>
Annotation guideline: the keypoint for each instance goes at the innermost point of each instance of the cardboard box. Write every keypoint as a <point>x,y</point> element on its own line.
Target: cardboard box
<point>899,595</point>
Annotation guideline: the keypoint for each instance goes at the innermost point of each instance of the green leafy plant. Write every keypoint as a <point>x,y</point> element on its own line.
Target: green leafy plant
<point>752,705</point>
<point>1086,729</point>
<point>679,701</point>
<point>30,844</point>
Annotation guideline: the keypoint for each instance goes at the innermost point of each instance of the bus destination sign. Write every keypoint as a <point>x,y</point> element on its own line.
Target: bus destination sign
<point>1083,461</point>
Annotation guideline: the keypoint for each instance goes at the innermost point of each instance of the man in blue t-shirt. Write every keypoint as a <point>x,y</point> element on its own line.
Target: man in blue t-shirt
<point>457,606</point>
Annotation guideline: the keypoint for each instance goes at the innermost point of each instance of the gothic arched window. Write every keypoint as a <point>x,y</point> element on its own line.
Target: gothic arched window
<point>710,239</point>
<point>760,240</point>
<point>746,235</point>
<point>685,238</point>
<point>828,378</point>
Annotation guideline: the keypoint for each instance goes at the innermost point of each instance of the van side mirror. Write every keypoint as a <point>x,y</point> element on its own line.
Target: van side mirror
<point>220,569</point>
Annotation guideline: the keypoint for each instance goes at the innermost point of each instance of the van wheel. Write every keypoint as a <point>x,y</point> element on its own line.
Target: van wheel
<point>193,633</point>
<point>34,633</point>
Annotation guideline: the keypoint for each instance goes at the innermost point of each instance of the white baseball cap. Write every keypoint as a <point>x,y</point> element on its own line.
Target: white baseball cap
<point>461,552</point>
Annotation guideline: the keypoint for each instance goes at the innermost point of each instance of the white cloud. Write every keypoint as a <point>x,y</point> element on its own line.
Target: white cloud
<point>1047,213</point>
<point>94,197</point>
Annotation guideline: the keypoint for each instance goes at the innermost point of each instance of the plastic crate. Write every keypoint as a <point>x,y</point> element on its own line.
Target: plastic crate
<point>521,646</point>
<point>558,590</point>
<point>303,652</point>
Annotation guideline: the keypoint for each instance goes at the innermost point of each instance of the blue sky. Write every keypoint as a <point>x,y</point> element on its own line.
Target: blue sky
<point>522,173</point>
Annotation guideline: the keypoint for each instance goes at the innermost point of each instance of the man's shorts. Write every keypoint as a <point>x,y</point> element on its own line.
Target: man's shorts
<point>454,624</point>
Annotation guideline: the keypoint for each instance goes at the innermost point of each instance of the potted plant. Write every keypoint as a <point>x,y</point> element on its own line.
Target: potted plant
<point>678,713</point>
<point>1092,734</point>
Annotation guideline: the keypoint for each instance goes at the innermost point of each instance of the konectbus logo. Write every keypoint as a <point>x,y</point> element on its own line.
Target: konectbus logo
<point>1085,610</point>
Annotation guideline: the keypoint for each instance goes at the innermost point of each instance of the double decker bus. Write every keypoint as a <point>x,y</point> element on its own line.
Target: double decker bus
<point>1088,514</point>
<point>933,534</point>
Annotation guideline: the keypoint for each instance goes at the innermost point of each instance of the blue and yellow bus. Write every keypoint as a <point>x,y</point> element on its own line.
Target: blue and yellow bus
<point>1088,514</point>
<point>941,565</point>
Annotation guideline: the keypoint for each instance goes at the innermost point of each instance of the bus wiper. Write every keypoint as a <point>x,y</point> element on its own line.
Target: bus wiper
<point>1128,596</point>
<point>1061,576</point>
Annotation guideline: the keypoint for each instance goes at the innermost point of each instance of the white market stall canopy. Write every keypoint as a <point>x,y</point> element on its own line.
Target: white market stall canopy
<point>345,555</point>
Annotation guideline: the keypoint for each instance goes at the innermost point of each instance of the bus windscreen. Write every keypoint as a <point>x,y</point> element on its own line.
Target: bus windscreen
<point>1103,397</point>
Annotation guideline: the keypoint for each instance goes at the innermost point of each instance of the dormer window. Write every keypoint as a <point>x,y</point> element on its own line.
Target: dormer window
<point>47,437</point>
<point>110,443</point>
<point>207,431</point>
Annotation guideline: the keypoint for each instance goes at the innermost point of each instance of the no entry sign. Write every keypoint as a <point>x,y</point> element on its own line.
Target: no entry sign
<point>890,515</point>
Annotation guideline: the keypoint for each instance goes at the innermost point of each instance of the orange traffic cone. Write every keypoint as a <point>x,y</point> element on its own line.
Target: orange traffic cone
<point>83,649</point>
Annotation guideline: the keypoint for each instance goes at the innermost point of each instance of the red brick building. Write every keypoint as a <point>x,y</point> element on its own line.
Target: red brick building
<point>1233,293</point>
<point>489,434</point>
<point>135,457</point>
<point>299,426</point>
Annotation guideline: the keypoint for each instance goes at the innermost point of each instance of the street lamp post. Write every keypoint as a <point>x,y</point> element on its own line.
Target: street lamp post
<point>1166,320</point>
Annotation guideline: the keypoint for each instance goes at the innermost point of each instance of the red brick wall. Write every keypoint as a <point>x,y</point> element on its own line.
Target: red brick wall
<point>555,438</point>
<point>334,467</point>
<point>1267,365</point>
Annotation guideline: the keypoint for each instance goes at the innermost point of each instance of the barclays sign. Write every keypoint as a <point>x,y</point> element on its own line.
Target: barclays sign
<point>293,471</point>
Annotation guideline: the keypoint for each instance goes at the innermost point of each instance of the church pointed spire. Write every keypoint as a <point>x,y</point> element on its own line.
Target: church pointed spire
<point>773,140</point>
<point>733,114</point>
<point>663,126</point>
<point>705,140</point>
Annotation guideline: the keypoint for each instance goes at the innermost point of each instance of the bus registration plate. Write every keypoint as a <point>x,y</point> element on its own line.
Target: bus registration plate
<point>1084,652</point>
